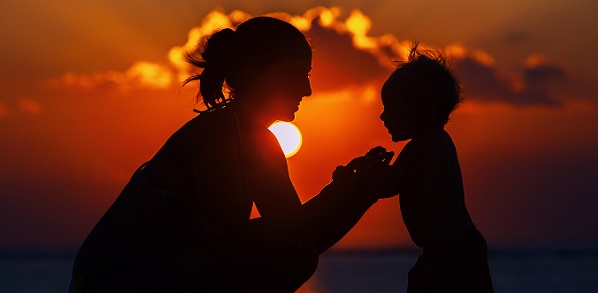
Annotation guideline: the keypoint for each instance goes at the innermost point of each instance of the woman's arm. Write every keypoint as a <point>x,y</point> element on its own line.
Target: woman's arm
<point>328,216</point>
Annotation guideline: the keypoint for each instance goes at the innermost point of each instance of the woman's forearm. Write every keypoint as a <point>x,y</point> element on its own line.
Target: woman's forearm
<point>332,213</point>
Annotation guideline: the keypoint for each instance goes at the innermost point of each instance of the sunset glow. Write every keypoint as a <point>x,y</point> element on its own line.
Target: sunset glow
<point>86,101</point>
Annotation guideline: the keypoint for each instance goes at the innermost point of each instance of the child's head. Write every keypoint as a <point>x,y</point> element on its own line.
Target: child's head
<point>419,95</point>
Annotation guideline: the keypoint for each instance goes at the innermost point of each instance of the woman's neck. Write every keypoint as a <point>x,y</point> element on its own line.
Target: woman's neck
<point>251,113</point>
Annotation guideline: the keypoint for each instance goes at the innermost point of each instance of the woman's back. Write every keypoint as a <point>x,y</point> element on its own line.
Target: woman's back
<point>152,227</point>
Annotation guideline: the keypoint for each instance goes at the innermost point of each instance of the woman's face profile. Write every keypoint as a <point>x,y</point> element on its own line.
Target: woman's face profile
<point>282,87</point>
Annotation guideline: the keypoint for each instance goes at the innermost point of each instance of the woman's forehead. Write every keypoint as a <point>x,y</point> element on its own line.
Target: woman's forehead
<point>302,64</point>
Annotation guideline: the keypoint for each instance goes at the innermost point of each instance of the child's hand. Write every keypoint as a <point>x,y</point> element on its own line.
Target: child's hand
<point>381,154</point>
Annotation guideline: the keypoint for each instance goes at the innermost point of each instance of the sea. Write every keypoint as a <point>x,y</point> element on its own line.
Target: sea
<point>513,270</point>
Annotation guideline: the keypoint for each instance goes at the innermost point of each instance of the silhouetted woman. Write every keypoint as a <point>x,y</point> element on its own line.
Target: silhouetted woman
<point>183,223</point>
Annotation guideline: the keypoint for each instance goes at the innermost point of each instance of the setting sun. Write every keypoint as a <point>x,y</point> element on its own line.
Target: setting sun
<point>288,136</point>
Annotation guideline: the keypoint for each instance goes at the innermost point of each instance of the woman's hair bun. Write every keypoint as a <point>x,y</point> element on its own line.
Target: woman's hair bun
<point>218,48</point>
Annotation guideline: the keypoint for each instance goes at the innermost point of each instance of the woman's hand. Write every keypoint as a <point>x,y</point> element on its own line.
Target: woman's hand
<point>374,161</point>
<point>369,172</point>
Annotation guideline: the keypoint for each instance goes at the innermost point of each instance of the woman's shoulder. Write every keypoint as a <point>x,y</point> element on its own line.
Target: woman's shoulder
<point>211,120</point>
<point>205,127</point>
<point>199,134</point>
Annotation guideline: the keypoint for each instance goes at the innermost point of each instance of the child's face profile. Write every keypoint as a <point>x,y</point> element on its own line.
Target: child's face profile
<point>396,114</point>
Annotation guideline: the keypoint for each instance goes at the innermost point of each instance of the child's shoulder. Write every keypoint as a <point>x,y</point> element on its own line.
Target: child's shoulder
<point>432,140</point>
<point>438,143</point>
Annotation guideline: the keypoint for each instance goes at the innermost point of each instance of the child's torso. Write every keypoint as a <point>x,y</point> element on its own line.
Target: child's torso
<point>431,190</point>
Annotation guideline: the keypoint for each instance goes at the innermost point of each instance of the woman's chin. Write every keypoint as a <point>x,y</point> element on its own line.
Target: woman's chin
<point>398,137</point>
<point>286,118</point>
<point>291,115</point>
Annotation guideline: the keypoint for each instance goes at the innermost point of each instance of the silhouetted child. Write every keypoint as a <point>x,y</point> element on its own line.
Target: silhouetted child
<point>418,98</point>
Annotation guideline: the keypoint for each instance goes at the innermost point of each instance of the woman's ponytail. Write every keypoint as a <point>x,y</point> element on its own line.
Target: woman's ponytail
<point>215,61</point>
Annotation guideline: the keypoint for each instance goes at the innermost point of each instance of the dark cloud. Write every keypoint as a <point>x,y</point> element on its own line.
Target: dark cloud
<point>543,74</point>
<point>338,63</point>
<point>517,37</point>
<point>482,82</point>
<point>140,75</point>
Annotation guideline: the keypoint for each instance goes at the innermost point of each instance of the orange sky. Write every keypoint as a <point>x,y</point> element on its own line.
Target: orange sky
<point>91,92</point>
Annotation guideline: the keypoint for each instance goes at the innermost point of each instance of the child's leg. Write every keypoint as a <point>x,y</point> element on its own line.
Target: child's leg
<point>458,267</point>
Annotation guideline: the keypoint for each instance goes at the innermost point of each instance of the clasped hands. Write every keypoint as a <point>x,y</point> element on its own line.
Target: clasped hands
<point>370,172</point>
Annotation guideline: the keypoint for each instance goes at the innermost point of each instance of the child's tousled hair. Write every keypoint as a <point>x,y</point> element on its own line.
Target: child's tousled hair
<point>430,87</point>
